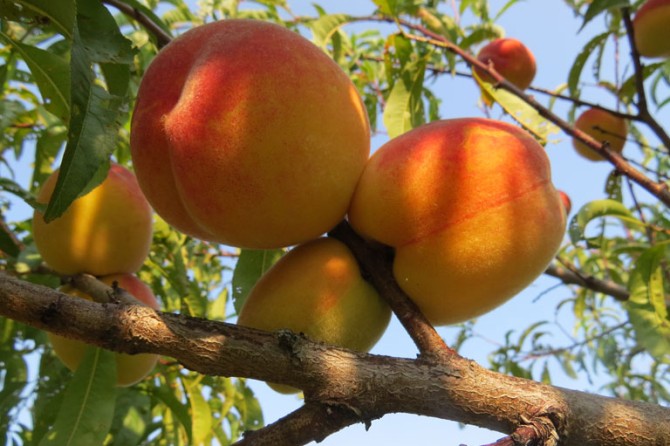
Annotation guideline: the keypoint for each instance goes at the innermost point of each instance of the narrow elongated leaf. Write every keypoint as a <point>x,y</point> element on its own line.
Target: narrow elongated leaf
<point>59,13</point>
<point>201,414</point>
<point>646,306</point>
<point>598,6</point>
<point>180,412</point>
<point>251,265</point>
<point>51,74</point>
<point>325,26</point>
<point>578,65</point>
<point>7,243</point>
<point>593,210</point>
<point>521,111</point>
<point>404,108</point>
<point>87,411</point>
<point>93,125</point>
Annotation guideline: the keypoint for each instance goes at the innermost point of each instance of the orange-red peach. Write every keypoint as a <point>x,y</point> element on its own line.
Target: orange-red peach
<point>130,369</point>
<point>246,133</point>
<point>470,209</point>
<point>106,231</point>
<point>317,289</point>
<point>511,58</point>
<point>651,30</point>
<point>601,126</point>
<point>567,203</point>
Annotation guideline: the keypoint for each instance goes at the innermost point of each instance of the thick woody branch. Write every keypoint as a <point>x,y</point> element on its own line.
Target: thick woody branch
<point>162,37</point>
<point>448,387</point>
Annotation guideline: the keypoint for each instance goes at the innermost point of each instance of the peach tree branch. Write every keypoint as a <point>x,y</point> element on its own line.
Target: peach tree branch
<point>448,387</point>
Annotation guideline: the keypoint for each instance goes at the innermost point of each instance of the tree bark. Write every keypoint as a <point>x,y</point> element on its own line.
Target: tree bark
<point>367,386</point>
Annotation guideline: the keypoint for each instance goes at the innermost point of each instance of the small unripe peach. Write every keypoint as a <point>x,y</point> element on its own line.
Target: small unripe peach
<point>470,209</point>
<point>130,369</point>
<point>317,289</point>
<point>601,126</point>
<point>106,231</point>
<point>651,28</point>
<point>246,133</point>
<point>511,58</point>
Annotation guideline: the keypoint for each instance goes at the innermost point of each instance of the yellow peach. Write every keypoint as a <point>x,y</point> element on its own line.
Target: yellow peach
<point>511,58</point>
<point>470,209</point>
<point>106,231</point>
<point>601,126</point>
<point>246,133</point>
<point>130,369</point>
<point>651,30</point>
<point>317,289</point>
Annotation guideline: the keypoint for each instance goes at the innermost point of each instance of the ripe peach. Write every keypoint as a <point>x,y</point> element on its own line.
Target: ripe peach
<point>651,30</point>
<point>511,58</point>
<point>601,126</point>
<point>106,231</point>
<point>470,209</point>
<point>246,133</point>
<point>317,289</point>
<point>130,369</point>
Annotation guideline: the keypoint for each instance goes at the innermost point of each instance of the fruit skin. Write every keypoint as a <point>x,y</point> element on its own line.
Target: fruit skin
<point>511,58</point>
<point>567,203</point>
<point>130,369</point>
<point>651,30</point>
<point>601,126</point>
<point>317,289</point>
<point>247,134</point>
<point>470,209</point>
<point>106,231</point>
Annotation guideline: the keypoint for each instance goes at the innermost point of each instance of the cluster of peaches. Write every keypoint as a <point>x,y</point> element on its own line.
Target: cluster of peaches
<point>245,133</point>
<point>516,63</point>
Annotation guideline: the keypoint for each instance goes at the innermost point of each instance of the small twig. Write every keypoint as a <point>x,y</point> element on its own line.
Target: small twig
<point>311,422</point>
<point>377,266</point>
<point>569,276</point>
<point>98,291</point>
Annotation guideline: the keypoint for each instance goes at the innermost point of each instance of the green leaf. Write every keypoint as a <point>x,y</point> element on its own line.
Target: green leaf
<point>647,306</point>
<point>201,413</point>
<point>7,243</point>
<point>578,65</point>
<point>87,411</point>
<point>51,74</point>
<point>10,186</point>
<point>165,395</point>
<point>93,127</point>
<point>404,107</point>
<point>593,210</point>
<point>520,110</point>
<point>251,265</point>
<point>598,6</point>
<point>325,26</point>
<point>131,417</point>
<point>59,13</point>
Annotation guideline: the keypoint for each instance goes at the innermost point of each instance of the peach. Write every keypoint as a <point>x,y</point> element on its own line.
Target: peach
<point>106,231</point>
<point>651,30</point>
<point>246,133</point>
<point>130,369</point>
<point>470,209</point>
<point>511,58</point>
<point>567,203</point>
<point>317,289</point>
<point>601,126</point>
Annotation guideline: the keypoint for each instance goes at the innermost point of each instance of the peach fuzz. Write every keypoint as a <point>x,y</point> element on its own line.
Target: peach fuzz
<point>246,133</point>
<point>511,59</point>
<point>317,289</point>
<point>601,126</point>
<point>106,231</point>
<point>130,369</point>
<point>651,28</point>
<point>470,209</point>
